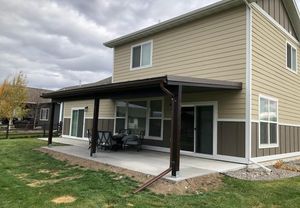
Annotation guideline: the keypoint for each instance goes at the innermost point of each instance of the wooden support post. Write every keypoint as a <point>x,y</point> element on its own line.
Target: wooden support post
<point>95,126</point>
<point>176,130</point>
<point>51,121</point>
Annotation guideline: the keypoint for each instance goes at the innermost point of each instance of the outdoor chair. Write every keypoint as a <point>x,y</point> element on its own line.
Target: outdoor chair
<point>89,136</point>
<point>105,141</point>
<point>134,140</point>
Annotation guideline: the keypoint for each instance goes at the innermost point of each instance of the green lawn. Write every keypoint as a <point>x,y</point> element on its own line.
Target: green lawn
<point>20,166</point>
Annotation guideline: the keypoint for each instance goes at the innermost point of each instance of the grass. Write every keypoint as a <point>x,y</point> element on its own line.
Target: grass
<point>20,165</point>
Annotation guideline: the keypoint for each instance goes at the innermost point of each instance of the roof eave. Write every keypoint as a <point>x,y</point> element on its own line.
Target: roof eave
<point>174,22</point>
<point>294,15</point>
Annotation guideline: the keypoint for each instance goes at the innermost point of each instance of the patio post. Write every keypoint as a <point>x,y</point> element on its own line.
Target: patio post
<point>51,121</point>
<point>176,130</point>
<point>95,125</point>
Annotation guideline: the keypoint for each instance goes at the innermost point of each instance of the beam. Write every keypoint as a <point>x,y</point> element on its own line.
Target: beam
<point>51,122</point>
<point>95,126</point>
<point>176,130</point>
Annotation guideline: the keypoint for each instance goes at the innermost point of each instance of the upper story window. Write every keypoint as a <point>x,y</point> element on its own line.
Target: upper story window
<point>291,57</point>
<point>141,55</point>
<point>268,122</point>
<point>44,114</point>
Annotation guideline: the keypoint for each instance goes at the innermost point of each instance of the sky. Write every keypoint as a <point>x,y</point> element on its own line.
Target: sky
<point>59,43</point>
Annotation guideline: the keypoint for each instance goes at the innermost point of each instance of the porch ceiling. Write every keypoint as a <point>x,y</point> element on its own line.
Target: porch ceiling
<point>143,87</point>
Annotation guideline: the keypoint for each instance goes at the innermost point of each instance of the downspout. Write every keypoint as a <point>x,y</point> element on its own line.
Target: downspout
<point>172,162</point>
<point>248,99</point>
<point>262,166</point>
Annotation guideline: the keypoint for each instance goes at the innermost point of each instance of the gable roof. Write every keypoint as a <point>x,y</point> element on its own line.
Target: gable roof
<point>34,95</point>
<point>290,5</point>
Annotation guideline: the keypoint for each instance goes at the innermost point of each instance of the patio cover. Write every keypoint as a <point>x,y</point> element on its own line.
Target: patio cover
<point>118,89</point>
<point>171,86</point>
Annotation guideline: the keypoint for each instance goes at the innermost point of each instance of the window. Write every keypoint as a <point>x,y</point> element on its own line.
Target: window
<point>141,55</point>
<point>155,118</point>
<point>291,57</point>
<point>44,114</point>
<point>140,115</point>
<point>121,108</point>
<point>137,112</point>
<point>268,122</point>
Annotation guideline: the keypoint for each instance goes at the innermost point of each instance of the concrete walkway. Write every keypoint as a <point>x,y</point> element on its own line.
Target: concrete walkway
<point>145,161</point>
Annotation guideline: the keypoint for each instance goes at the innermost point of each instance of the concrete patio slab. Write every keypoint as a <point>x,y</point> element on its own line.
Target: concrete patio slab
<point>145,161</point>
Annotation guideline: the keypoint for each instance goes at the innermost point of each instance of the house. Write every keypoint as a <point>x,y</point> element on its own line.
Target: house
<point>220,82</point>
<point>38,110</point>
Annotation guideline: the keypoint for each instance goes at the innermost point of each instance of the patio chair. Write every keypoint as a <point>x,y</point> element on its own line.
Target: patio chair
<point>105,141</point>
<point>89,136</point>
<point>134,140</point>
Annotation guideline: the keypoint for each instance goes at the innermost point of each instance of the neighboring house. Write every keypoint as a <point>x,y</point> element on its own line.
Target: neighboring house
<point>38,110</point>
<point>232,68</point>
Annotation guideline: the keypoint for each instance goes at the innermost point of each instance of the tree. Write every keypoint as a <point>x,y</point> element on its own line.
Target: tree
<point>13,97</point>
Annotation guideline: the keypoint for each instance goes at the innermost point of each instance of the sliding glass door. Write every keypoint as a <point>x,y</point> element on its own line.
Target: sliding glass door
<point>197,129</point>
<point>77,123</point>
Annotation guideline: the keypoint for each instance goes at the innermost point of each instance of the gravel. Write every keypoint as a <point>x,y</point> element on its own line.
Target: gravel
<point>261,174</point>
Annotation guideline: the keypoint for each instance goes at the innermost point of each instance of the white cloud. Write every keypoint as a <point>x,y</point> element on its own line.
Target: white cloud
<point>59,42</point>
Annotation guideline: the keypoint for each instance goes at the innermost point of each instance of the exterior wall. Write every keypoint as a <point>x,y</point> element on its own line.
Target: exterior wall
<point>187,51</point>
<point>269,74</point>
<point>289,141</point>
<point>46,123</point>
<point>106,108</point>
<point>276,9</point>
<point>270,77</point>
<point>231,139</point>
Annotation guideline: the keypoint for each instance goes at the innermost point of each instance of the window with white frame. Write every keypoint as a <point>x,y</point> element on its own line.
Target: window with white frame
<point>291,57</point>
<point>141,55</point>
<point>268,122</point>
<point>155,118</point>
<point>44,114</point>
<point>140,115</point>
<point>121,109</point>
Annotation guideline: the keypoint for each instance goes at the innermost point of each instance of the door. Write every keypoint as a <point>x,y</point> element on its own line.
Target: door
<point>77,123</point>
<point>187,128</point>
<point>197,129</point>
<point>204,129</point>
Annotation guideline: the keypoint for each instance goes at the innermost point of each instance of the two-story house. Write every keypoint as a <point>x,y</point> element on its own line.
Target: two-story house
<point>220,82</point>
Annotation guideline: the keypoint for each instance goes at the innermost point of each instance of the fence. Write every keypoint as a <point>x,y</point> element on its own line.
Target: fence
<point>26,131</point>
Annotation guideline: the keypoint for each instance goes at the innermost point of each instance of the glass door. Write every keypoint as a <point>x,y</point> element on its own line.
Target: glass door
<point>77,123</point>
<point>187,128</point>
<point>204,129</point>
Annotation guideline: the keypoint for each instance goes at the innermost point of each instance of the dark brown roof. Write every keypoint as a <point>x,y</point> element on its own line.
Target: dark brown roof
<point>111,89</point>
<point>34,95</point>
<point>101,82</point>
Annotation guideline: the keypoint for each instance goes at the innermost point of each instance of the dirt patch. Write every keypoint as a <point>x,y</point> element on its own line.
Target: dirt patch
<point>22,176</point>
<point>64,200</point>
<point>52,173</point>
<point>41,183</point>
<point>189,186</point>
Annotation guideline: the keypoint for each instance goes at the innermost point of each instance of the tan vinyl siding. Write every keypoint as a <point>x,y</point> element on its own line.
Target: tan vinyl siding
<point>106,108</point>
<point>270,75</point>
<point>212,48</point>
